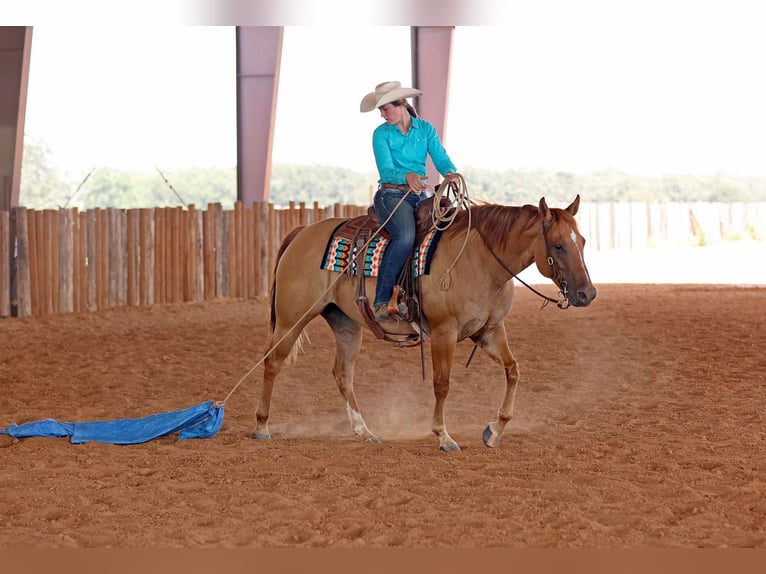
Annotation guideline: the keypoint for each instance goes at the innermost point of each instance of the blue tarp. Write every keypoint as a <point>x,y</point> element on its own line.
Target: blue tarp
<point>200,421</point>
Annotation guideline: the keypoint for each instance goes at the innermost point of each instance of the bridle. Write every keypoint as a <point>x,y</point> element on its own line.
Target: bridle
<point>558,280</point>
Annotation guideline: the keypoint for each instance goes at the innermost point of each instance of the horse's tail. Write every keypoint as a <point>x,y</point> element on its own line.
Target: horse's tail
<point>273,292</point>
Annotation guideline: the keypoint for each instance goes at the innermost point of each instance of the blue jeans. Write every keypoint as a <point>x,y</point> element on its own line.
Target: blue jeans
<point>402,229</point>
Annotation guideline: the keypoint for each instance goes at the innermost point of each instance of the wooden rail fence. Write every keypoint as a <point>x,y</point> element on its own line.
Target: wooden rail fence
<point>64,261</point>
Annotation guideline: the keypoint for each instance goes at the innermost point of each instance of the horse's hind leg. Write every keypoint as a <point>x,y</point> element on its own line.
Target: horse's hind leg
<point>348,339</point>
<point>272,364</point>
<point>495,343</point>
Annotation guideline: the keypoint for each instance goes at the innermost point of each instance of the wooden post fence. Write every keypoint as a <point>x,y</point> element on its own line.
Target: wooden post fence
<point>63,261</point>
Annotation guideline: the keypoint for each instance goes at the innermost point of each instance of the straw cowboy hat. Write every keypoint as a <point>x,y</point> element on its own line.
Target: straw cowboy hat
<point>386,93</point>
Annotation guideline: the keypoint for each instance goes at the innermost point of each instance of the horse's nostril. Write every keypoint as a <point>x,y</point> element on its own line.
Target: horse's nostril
<point>587,295</point>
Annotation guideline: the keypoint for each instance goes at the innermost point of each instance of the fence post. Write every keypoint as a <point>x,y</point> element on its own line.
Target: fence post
<point>116,242</point>
<point>195,270</point>
<point>273,246</point>
<point>226,252</point>
<point>220,256</point>
<point>208,246</point>
<point>199,256</point>
<point>81,303</point>
<point>232,267</point>
<point>100,258</point>
<point>147,255</point>
<point>5,264</point>
<point>263,231</point>
<point>239,238</point>
<point>177,253</point>
<point>23,294</point>
<point>65,275</point>
<point>91,238</point>
<point>132,257</point>
<point>248,252</point>
<point>35,232</point>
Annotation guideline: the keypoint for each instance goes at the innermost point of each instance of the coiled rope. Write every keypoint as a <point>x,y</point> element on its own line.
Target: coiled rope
<point>442,217</point>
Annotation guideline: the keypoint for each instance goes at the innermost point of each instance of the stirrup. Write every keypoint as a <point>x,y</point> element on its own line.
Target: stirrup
<point>395,307</point>
<point>381,313</point>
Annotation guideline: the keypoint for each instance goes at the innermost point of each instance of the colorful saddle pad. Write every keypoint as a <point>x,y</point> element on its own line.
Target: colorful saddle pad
<point>341,255</point>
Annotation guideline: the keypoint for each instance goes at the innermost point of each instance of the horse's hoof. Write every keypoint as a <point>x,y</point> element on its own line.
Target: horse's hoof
<point>449,447</point>
<point>490,438</point>
<point>372,440</point>
<point>261,436</point>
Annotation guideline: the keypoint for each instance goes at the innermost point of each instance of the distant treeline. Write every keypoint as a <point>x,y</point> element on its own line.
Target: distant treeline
<point>44,187</point>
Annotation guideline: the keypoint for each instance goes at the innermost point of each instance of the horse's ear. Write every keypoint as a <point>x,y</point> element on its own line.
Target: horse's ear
<point>545,214</point>
<point>574,206</point>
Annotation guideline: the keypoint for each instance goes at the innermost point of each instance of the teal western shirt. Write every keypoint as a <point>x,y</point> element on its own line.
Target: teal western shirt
<point>397,154</point>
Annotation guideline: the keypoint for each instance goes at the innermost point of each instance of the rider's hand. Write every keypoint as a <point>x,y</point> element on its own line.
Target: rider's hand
<point>451,177</point>
<point>416,182</point>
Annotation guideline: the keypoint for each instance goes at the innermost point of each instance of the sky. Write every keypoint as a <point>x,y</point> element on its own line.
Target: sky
<point>647,87</point>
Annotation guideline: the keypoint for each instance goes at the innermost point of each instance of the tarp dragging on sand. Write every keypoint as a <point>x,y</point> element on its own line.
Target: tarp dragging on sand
<point>200,421</point>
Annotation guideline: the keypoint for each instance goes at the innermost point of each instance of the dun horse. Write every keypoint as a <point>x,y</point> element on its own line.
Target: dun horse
<point>480,252</point>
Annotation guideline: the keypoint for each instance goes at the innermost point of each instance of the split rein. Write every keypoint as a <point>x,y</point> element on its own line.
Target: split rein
<point>459,189</point>
<point>562,303</point>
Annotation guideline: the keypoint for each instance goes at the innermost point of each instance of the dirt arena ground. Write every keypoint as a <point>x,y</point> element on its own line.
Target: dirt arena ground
<point>639,423</point>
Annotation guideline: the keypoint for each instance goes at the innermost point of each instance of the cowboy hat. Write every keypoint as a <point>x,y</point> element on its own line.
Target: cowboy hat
<point>386,93</point>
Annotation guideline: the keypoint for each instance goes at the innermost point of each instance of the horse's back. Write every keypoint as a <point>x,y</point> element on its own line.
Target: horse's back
<point>309,240</point>
<point>302,252</point>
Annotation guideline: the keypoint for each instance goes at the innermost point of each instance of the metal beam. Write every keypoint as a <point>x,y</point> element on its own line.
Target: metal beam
<point>431,57</point>
<point>15,48</point>
<point>259,54</point>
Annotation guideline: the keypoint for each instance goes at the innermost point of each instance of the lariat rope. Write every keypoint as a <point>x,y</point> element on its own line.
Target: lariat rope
<point>442,218</point>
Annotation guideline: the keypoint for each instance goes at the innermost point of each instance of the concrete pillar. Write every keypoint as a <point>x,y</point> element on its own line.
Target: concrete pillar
<point>259,54</point>
<point>431,57</point>
<point>15,48</point>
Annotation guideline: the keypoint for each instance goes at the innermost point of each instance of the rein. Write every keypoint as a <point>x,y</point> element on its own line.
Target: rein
<point>560,303</point>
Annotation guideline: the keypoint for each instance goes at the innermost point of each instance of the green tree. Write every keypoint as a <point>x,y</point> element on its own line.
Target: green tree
<point>42,184</point>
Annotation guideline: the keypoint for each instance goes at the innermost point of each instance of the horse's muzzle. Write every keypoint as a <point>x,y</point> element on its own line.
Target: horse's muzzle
<point>583,296</point>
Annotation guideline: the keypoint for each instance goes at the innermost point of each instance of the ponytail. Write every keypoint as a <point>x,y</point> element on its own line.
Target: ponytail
<point>404,102</point>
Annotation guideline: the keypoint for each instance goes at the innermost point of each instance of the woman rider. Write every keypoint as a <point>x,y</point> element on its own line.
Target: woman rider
<point>401,146</point>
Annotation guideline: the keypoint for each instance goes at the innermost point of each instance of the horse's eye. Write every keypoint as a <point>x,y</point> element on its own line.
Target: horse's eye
<point>558,247</point>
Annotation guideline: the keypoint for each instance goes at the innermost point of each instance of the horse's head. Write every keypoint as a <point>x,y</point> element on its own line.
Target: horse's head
<point>559,253</point>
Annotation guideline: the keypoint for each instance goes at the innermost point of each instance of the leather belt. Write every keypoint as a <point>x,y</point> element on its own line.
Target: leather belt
<point>404,187</point>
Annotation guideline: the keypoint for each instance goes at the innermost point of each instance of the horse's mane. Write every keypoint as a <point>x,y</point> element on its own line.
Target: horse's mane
<point>496,222</point>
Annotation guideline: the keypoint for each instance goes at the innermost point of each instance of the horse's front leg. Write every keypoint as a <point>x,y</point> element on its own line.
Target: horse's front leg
<point>495,343</point>
<point>442,351</point>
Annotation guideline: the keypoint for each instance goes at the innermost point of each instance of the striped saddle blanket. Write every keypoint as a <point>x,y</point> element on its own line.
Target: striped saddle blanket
<point>342,254</point>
